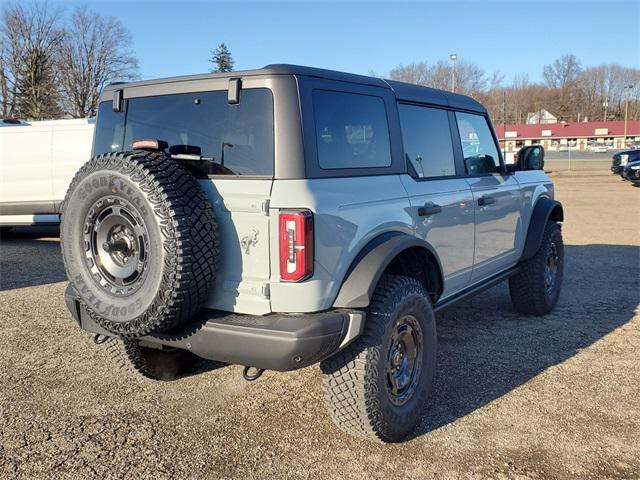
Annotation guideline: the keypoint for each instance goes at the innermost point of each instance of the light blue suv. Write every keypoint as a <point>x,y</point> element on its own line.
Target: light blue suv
<point>286,216</point>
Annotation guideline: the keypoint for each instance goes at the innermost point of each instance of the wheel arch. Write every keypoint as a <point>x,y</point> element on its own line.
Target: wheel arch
<point>544,210</point>
<point>390,252</point>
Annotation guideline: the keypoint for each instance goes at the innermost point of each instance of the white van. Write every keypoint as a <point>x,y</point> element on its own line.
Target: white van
<point>37,162</point>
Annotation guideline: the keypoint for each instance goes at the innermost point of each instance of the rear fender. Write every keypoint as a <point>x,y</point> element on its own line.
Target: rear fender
<point>369,265</point>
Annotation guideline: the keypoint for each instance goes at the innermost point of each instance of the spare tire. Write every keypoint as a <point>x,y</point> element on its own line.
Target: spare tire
<point>139,242</point>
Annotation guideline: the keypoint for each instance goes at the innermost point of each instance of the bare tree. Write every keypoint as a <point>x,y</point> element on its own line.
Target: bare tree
<point>568,92</point>
<point>416,73</point>
<point>562,72</point>
<point>95,51</point>
<point>561,75</point>
<point>29,36</point>
<point>470,78</point>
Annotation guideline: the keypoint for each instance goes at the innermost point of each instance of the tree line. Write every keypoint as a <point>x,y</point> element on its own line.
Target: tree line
<point>54,63</point>
<point>568,90</point>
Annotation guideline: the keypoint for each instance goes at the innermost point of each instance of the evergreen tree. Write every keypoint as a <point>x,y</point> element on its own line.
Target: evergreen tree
<point>222,59</point>
<point>37,93</point>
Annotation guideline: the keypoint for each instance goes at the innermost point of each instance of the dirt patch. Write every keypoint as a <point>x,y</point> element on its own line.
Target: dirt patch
<point>515,397</point>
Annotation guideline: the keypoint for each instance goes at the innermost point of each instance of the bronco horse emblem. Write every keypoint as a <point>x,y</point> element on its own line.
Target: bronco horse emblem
<point>249,241</point>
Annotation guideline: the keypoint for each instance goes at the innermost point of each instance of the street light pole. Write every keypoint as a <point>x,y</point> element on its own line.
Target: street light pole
<point>453,57</point>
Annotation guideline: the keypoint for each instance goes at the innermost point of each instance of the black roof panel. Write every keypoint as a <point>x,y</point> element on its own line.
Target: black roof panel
<point>403,91</point>
<point>417,93</point>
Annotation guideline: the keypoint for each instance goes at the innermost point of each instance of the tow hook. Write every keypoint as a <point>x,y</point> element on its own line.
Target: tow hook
<point>252,373</point>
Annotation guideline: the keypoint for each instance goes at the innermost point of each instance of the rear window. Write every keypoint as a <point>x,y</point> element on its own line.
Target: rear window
<point>351,130</point>
<point>239,137</point>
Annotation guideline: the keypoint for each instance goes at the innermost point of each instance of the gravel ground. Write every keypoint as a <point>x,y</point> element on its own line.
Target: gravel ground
<point>515,397</point>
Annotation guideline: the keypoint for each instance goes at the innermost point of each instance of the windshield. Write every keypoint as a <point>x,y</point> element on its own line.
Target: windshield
<point>239,138</point>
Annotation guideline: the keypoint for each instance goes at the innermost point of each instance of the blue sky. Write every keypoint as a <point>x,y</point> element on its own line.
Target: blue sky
<point>174,38</point>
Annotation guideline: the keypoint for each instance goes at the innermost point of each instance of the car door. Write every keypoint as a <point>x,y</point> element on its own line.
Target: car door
<point>441,202</point>
<point>496,197</point>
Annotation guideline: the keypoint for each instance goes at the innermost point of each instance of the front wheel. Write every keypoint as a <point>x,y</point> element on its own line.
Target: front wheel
<point>536,287</point>
<point>378,386</point>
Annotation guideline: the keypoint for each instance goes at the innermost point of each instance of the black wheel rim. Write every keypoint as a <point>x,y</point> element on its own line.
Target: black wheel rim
<point>551,268</point>
<point>116,245</point>
<point>404,360</point>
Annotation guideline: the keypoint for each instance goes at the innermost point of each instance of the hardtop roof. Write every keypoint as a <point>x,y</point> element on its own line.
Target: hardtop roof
<point>403,91</point>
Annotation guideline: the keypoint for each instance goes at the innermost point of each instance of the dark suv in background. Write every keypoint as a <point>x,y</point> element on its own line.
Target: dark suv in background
<point>622,158</point>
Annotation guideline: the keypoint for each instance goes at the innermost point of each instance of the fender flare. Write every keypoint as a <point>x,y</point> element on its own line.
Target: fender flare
<point>544,210</point>
<point>366,269</point>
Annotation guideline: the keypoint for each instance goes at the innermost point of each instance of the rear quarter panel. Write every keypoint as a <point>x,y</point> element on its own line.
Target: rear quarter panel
<point>348,213</point>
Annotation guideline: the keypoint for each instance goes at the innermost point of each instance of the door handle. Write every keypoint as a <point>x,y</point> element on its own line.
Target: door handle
<point>485,200</point>
<point>429,208</point>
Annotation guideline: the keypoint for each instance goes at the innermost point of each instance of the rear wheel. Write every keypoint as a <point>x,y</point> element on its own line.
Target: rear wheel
<point>535,289</point>
<point>378,386</point>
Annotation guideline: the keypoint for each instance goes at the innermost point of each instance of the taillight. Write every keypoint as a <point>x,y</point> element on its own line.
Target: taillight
<point>296,245</point>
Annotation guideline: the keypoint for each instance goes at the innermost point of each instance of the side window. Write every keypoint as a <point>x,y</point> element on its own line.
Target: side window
<point>351,130</point>
<point>478,147</point>
<point>427,140</point>
<point>109,132</point>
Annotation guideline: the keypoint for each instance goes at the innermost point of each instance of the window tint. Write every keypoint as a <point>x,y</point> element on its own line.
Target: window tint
<point>238,137</point>
<point>427,140</point>
<point>478,147</point>
<point>351,130</point>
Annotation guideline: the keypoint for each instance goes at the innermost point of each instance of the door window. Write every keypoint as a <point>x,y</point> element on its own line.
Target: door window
<point>351,130</point>
<point>478,146</point>
<point>427,141</point>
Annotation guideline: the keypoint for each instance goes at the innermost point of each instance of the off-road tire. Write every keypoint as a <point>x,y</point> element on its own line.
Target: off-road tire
<point>527,289</point>
<point>181,243</point>
<point>355,383</point>
<point>148,362</point>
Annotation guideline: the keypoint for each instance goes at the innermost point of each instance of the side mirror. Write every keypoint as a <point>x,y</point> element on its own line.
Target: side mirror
<point>530,158</point>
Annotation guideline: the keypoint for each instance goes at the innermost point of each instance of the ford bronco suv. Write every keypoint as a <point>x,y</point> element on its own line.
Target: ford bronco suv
<point>286,216</point>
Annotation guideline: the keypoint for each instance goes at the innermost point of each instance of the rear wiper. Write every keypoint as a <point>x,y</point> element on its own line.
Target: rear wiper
<point>188,152</point>
<point>192,157</point>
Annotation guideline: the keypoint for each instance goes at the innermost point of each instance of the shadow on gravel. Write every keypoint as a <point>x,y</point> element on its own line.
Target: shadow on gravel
<point>30,256</point>
<point>486,349</point>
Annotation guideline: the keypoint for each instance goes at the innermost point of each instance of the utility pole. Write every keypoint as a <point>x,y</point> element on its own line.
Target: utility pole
<point>504,121</point>
<point>626,113</point>
<point>453,57</point>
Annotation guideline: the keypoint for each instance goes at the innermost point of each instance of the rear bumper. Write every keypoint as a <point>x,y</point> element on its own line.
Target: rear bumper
<point>274,342</point>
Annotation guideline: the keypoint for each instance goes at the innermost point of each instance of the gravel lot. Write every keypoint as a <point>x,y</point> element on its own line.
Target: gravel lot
<point>515,397</point>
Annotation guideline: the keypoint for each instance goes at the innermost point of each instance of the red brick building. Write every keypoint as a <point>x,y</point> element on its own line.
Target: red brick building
<point>572,135</point>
